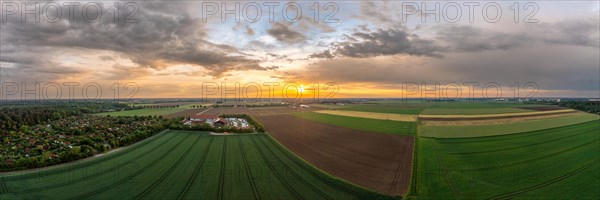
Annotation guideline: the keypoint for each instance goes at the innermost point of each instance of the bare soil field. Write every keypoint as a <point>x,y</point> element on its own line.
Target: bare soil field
<point>186,113</point>
<point>381,162</point>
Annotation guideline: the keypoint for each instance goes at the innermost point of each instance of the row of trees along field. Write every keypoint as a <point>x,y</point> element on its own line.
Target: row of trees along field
<point>582,105</point>
<point>13,116</point>
<point>586,106</point>
<point>72,138</point>
<point>155,106</point>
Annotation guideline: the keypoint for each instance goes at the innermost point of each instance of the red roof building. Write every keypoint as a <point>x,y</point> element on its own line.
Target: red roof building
<point>203,117</point>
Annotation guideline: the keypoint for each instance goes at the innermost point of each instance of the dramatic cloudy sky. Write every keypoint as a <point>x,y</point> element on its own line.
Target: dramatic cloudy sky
<point>368,48</point>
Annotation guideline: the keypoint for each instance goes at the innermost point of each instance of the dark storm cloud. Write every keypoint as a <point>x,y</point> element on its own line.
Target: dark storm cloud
<point>383,42</point>
<point>471,39</point>
<point>581,32</point>
<point>283,33</point>
<point>164,33</point>
<point>461,38</point>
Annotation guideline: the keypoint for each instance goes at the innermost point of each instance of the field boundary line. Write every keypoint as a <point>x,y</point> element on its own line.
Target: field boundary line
<point>171,169</point>
<point>222,171</point>
<point>249,172</point>
<point>111,169</point>
<point>198,167</point>
<point>541,185</point>
<point>92,193</point>
<point>286,184</point>
<point>322,194</point>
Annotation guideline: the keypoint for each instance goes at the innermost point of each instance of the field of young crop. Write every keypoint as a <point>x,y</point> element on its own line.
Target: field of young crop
<point>145,112</point>
<point>476,105</point>
<point>558,163</point>
<point>185,165</point>
<point>456,131</point>
<point>435,108</point>
<point>386,108</point>
<point>375,125</point>
<point>472,111</point>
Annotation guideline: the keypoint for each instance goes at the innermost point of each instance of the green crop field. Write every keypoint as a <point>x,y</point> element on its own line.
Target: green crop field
<point>473,111</point>
<point>375,125</point>
<point>385,108</point>
<point>558,163</point>
<point>456,131</point>
<point>186,165</point>
<point>477,105</point>
<point>434,108</point>
<point>144,112</point>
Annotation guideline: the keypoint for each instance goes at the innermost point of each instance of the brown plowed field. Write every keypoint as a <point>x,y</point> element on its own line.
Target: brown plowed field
<point>381,162</point>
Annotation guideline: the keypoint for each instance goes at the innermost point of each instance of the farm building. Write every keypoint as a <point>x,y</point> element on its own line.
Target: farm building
<point>220,122</point>
<point>204,118</point>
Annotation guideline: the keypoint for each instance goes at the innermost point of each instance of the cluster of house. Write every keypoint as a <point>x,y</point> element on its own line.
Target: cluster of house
<point>216,121</point>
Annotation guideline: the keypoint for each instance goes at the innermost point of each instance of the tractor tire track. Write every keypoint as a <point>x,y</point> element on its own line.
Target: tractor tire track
<point>445,173</point>
<point>249,172</point>
<point>517,147</point>
<point>399,171</point>
<point>166,174</point>
<point>541,185</point>
<point>95,192</point>
<point>312,187</point>
<point>286,184</point>
<point>222,172</point>
<point>533,159</point>
<point>190,181</point>
<point>95,175</point>
<point>309,169</point>
<point>3,188</point>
